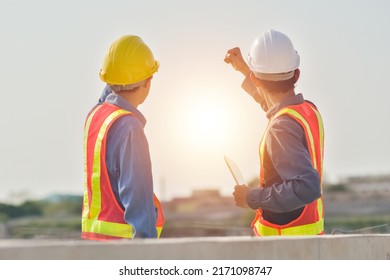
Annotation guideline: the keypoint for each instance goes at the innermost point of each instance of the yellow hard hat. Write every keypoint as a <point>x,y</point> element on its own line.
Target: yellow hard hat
<point>129,60</point>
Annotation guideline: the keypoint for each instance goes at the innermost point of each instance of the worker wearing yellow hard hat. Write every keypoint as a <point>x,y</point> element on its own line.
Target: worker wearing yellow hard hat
<point>119,201</point>
<point>289,198</point>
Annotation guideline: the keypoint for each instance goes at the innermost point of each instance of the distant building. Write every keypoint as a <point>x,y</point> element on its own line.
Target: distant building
<point>205,213</point>
<point>207,203</point>
<point>379,183</point>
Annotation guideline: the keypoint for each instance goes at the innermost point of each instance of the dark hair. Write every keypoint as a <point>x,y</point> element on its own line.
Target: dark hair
<point>278,86</point>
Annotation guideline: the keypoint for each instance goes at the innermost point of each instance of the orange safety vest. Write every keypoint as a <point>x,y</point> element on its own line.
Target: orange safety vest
<point>311,220</point>
<point>102,216</point>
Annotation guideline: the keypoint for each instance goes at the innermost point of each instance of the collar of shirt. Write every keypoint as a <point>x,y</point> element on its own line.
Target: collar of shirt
<point>115,99</point>
<point>291,100</point>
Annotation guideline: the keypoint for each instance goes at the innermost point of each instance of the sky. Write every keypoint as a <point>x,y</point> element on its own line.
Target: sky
<point>51,53</point>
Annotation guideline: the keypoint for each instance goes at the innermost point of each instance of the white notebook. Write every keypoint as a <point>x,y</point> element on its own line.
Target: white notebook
<point>236,173</point>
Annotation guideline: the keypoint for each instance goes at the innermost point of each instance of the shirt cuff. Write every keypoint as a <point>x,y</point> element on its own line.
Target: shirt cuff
<point>253,198</point>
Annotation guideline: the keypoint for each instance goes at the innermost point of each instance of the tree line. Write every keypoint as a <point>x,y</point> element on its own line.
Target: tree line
<point>66,205</point>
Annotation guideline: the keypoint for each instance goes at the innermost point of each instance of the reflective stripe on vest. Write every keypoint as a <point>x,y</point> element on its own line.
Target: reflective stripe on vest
<point>307,229</point>
<point>316,150</point>
<point>92,227</point>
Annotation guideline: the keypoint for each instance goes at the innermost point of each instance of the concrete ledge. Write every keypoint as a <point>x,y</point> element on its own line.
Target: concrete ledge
<point>328,247</point>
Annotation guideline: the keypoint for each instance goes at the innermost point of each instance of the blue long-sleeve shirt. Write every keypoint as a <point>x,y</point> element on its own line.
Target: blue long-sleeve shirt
<point>129,167</point>
<point>297,183</point>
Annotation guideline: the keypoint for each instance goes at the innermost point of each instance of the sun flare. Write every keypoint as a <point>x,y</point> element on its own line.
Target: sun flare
<point>203,122</point>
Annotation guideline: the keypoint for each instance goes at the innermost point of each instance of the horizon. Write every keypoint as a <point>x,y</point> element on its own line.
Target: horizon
<point>17,198</point>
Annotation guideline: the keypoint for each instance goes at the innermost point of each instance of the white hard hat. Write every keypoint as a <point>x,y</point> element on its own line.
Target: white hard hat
<point>273,57</point>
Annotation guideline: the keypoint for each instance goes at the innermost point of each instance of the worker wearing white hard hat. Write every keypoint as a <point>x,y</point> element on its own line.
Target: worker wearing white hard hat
<point>289,198</point>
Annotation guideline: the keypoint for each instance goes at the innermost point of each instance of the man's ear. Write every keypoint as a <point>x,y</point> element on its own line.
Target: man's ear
<point>255,80</point>
<point>147,82</point>
<point>297,73</point>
